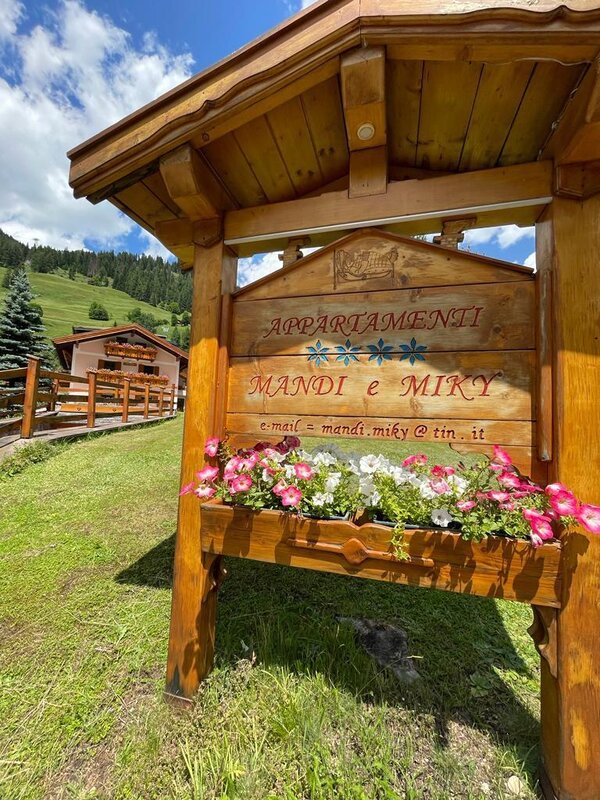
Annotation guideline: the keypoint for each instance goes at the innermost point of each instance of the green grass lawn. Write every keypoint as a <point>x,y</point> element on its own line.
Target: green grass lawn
<point>294,708</point>
<point>66,302</point>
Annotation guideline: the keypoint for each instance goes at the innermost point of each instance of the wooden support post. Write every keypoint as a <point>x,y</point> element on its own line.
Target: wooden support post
<point>54,392</point>
<point>173,399</point>
<point>126,388</point>
<point>569,235</point>
<point>196,575</point>
<point>30,401</point>
<point>161,401</point>
<point>146,400</point>
<point>91,407</point>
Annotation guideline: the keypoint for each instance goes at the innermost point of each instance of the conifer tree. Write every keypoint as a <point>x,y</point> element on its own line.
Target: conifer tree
<point>21,329</point>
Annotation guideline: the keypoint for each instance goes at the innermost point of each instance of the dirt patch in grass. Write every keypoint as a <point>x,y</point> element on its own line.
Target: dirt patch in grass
<point>90,767</point>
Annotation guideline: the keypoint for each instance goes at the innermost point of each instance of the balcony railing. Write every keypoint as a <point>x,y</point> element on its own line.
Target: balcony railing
<point>139,352</point>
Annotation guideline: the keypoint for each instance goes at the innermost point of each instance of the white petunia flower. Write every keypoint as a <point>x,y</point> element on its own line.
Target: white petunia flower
<point>426,491</point>
<point>267,477</point>
<point>325,459</point>
<point>400,475</point>
<point>322,499</point>
<point>333,481</point>
<point>460,484</point>
<point>371,463</point>
<point>441,517</point>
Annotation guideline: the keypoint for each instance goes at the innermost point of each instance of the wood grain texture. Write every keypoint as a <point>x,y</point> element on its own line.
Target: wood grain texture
<point>449,195</point>
<point>323,110</point>
<point>191,638</point>
<point>404,84</point>
<point>448,95</point>
<point>368,172</point>
<point>418,265</point>
<point>496,567</point>
<point>362,78</point>
<point>571,702</point>
<point>472,317</point>
<point>31,397</point>
<point>489,385</point>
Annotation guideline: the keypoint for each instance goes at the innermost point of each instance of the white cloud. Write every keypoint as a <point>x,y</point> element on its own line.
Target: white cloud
<point>530,261</point>
<point>251,269</point>
<point>504,236</point>
<point>68,79</point>
<point>10,14</point>
<point>307,3</point>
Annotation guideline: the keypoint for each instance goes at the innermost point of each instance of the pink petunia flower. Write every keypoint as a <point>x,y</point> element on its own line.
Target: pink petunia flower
<point>466,505</point>
<point>564,503</point>
<point>440,486</point>
<point>419,458</point>
<point>510,480</point>
<point>204,491</point>
<point>507,506</point>
<point>589,516</point>
<point>501,456</point>
<point>211,447</point>
<point>536,540</point>
<point>292,442</point>
<point>260,447</point>
<point>555,488</point>
<point>291,496</point>
<point>542,528</point>
<point>499,497</point>
<point>207,473</point>
<point>279,487</point>
<point>532,514</point>
<point>241,483</point>
<point>303,471</point>
<point>282,448</point>
<point>188,488</point>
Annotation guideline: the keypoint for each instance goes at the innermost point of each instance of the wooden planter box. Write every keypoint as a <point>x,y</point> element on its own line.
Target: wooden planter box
<point>118,376</point>
<point>495,567</point>
<point>137,351</point>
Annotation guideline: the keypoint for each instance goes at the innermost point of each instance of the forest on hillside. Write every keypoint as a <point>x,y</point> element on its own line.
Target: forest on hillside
<point>150,279</point>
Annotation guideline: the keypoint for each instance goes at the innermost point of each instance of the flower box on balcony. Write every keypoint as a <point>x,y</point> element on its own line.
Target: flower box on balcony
<point>117,376</point>
<point>497,566</point>
<point>139,352</point>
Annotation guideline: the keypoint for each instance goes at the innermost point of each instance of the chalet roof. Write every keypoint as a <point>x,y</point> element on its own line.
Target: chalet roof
<point>465,86</point>
<point>65,344</point>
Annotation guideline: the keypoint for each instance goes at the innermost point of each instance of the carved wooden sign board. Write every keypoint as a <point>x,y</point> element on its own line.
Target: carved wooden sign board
<point>384,338</point>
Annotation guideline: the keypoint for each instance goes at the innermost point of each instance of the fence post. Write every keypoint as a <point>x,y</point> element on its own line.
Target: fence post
<point>161,400</point>
<point>146,400</point>
<point>30,401</point>
<point>126,385</point>
<point>91,404</point>
<point>54,393</point>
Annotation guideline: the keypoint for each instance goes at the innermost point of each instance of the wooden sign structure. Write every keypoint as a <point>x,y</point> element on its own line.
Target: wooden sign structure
<point>380,337</point>
<point>357,115</point>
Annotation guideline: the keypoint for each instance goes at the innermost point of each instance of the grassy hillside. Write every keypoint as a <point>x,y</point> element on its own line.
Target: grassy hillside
<point>295,709</point>
<point>66,302</point>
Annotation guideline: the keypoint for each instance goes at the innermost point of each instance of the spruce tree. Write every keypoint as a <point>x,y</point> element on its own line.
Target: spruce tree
<point>21,329</point>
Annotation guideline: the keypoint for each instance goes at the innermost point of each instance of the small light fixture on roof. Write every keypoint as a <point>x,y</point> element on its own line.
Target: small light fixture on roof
<point>366,131</point>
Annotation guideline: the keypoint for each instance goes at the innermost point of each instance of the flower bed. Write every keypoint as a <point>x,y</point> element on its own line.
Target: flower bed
<point>483,529</point>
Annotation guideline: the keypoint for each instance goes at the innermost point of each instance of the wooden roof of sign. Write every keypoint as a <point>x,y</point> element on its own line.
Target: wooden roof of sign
<point>356,98</point>
<point>66,343</point>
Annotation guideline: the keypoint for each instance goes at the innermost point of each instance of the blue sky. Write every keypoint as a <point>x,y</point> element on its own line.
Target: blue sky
<point>69,68</point>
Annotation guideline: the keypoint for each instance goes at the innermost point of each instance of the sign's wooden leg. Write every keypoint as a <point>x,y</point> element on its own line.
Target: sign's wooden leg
<point>196,576</point>
<point>569,243</point>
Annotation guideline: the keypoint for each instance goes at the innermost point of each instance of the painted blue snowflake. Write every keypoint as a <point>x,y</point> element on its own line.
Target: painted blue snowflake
<point>412,352</point>
<point>318,353</point>
<point>380,352</point>
<point>347,353</point>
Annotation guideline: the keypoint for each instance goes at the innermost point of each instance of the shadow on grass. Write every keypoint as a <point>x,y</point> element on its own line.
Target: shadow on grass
<point>154,568</point>
<point>288,618</point>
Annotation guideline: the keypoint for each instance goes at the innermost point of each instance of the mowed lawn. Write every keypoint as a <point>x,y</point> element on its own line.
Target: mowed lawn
<point>67,303</point>
<point>294,708</point>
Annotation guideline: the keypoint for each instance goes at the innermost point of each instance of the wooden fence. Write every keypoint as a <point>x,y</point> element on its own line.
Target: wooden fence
<point>52,400</point>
